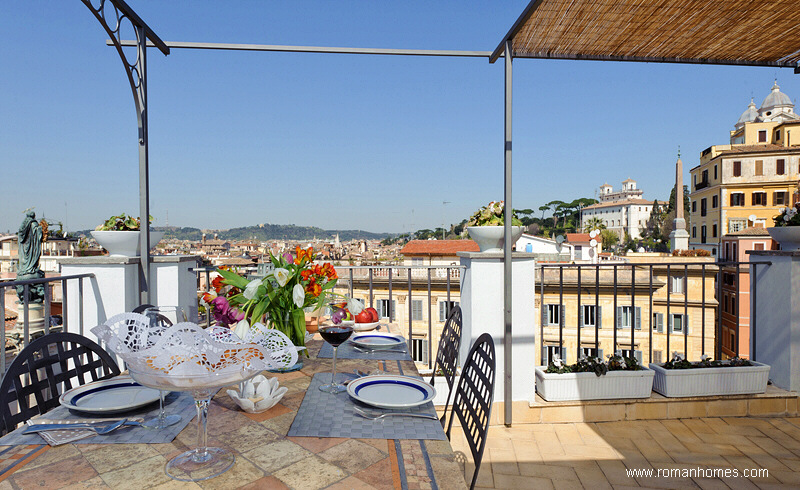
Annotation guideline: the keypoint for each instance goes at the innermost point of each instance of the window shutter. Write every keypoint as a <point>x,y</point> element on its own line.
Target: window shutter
<point>562,316</point>
<point>619,317</point>
<point>638,355</point>
<point>686,282</point>
<point>545,309</point>
<point>416,309</point>
<point>545,360</point>
<point>392,310</point>
<point>598,318</point>
<point>564,354</point>
<point>686,319</point>
<point>425,351</point>
<point>600,353</point>
<point>660,318</point>
<point>580,316</point>
<point>638,320</point>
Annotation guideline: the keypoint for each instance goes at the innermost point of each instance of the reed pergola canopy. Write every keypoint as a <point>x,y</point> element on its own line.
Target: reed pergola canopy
<point>730,32</point>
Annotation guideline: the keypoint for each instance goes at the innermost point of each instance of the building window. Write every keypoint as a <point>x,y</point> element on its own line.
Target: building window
<point>759,167</point>
<point>694,232</point>
<point>444,309</point>
<point>703,207</point>
<point>762,136</point>
<point>631,353</point>
<point>383,308</point>
<point>657,357</point>
<point>736,225</point>
<point>550,352</point>
<point>553,315</point>
<point>416,261</point>
<point>759,199</point>
<point>777,135</point>
<point>714,230</point>
<point>703,234</point>
<point>780,166</point>
<point>705,177</point>
<point>727,251</point>
<point>737,169</point>
<point>733,304</point>
<point>658,322</point>
<point>734,347</point>
<point>677,284</point>
<point>592,352</point>
<point>735,255</point>
<point>694,206</point>
<point>416,310</point>
<point>725,303</point>
<point>780,197</point>
<point>758,246</point>
<point>715,172</point>
<point>419,350</point>
<point>628,316</point>
<point>714,202</point>
<point>589,316</point>
<point>737,199</point>
<point>677,323</point>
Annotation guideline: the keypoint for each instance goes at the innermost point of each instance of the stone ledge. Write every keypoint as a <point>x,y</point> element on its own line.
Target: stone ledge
<point>108,260</point>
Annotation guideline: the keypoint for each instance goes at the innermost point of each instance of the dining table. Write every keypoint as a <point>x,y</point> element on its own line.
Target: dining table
<point>268,450</point>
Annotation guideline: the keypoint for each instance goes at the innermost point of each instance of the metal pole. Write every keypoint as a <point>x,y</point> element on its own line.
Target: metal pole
<point>507,243</point>
<point>144,172</point>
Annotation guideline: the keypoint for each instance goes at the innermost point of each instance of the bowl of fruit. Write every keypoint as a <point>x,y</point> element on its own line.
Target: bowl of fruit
<point>366,320</point>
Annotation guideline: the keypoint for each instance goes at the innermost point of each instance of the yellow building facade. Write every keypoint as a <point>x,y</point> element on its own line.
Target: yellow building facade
<point>745,183</point>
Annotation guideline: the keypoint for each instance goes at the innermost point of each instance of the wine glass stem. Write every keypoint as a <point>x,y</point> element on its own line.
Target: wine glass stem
<point>333,376</point>
<point>161,414</point>
<point>201,452</point>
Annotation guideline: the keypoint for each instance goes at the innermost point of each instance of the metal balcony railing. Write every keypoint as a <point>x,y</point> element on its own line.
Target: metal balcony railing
<point>650,305</point>
<point>18,338</point>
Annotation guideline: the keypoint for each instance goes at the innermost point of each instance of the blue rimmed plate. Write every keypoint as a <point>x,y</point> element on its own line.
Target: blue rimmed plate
<point>391,391</point>
<point>378,340</point>
<point>108,396</point>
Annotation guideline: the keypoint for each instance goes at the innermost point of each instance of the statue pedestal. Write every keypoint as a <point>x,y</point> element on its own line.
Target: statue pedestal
<point>679,238</point>
<point>35,316</point>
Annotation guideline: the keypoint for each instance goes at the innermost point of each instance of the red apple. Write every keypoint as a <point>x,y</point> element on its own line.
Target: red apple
<point>372,311</point>
<point>363,317</point>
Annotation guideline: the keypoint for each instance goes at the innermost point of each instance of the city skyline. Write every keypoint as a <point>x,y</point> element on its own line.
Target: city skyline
<point>336,141</point>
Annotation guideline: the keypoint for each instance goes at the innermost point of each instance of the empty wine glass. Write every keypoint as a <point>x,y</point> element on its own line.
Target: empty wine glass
<point>161,318</point>
<point>335,335</point>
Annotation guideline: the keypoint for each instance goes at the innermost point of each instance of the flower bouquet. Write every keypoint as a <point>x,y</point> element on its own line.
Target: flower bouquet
<point>295,285</point>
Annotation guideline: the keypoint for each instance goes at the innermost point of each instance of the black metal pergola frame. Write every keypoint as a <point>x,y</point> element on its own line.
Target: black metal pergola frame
<point>119,11</point>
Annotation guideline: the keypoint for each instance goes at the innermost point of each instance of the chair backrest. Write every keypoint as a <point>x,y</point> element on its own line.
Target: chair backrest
<point>44,369</point>
<point>447,355</point>
<point>472,404</point>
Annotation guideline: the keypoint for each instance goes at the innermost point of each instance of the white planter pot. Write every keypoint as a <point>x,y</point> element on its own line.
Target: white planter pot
<point>675,383</point>
<point>490,238</point>
<point>124,243</point>
<point>588,386</point>
<point>787,236</point>
<point>440,385</point>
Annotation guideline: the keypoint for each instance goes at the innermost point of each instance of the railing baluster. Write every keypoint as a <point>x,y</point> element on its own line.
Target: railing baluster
<point>616,320</point>
<point>718,327</point>
<point>46,309</point>
<point>351,282</point>
<point>633,311</point>
<point>410,312</point>
<point>667,320</point>
<point>754,302</point>
<point>27,316</point>
<point>370,289</point>
<point>581,319</point>
<point>561,313</point>
<point>686,310</point>
<point>80,306</point>
<point>542,308</point>
<point>738,295</point>
<point>597,310</point>
<point>3,328</point>
<point>650,312</point>
<point>391,310</point>
<point>703,309</point>
<point>430,321</point>
<point>64,322</point>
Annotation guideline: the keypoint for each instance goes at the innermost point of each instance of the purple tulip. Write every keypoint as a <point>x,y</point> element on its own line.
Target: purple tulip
<point>288,257</point>
<point>224,314</point>
<point>338,316</point>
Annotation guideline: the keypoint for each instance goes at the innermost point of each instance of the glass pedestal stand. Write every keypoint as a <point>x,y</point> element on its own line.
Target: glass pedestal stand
<point>202,462</point>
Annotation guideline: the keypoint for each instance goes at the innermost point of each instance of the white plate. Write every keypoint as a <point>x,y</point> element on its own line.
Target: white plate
<point>108,396</point>
<point>391,391</point>
<point>378,340</point>
<point>365,327</point>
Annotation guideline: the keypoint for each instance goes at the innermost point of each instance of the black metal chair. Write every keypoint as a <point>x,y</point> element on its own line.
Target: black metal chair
<point>44,369</point>
<point>447,355</point>
<point>472,404</point>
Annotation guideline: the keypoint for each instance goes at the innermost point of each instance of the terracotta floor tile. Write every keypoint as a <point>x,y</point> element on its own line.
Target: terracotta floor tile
<point>352,455</point>
<point>60,473</point>
<point>277,455</point>
<point>317,444</point>
<point>278,409</point>
<point>266,483</point>
<point>129,476</point>
<point>375,475</point>
<point>312,472</point>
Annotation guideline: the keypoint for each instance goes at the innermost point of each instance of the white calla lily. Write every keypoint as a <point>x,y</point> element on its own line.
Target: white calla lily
<point>251,290</point>
<point>298,295</point>
<point>281,275</point>
<point>241,329</point>
<point>355,306</point>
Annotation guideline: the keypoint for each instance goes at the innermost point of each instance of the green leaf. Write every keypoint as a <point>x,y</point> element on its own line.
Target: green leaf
<point>233,279</point>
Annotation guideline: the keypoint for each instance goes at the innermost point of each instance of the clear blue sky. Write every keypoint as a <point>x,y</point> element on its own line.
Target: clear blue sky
<point>336,141</point>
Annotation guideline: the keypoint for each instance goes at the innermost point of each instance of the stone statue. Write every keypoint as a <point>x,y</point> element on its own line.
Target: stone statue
<point>29,238</point>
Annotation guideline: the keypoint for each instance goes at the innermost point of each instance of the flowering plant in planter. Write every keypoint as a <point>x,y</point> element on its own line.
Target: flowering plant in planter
<point>123,222</point>
<point>788,216</point>
<point>680,362</point>
<point>492,215</point>
<point>594,365</point>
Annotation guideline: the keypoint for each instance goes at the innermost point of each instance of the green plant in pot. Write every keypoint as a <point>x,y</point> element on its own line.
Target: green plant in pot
<point>485,226</point>
<point>120,235</point>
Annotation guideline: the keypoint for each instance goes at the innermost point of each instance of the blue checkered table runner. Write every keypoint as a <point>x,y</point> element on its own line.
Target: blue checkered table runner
<point>325,415</point>
<point>347,351</point>
<point>175,402</point>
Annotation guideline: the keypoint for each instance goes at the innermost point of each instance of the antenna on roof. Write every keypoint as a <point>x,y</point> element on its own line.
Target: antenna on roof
<point>679,152</point>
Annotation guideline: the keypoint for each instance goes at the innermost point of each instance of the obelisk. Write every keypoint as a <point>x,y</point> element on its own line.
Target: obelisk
<point>679,238</point>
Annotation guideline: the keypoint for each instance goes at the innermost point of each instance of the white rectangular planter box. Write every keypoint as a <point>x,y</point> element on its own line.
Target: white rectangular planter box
<point>588,386</point>
<point>440,385</point>
<point>711,381</point>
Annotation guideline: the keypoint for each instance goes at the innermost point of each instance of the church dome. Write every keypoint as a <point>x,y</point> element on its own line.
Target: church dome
<point>776,98</point>
<point>749,115</point>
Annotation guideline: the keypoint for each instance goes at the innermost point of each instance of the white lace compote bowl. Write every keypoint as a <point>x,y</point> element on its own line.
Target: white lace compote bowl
<point>185,357</point>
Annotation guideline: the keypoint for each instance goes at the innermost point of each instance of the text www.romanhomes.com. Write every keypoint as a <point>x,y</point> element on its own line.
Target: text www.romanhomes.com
<point>696,473</point>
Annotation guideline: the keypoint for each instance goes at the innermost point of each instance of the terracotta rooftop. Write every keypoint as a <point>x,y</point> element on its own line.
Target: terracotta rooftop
<point>438,247</point>
<point>578,238</point>
<point>751,231</point>
<point>757,149</point>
